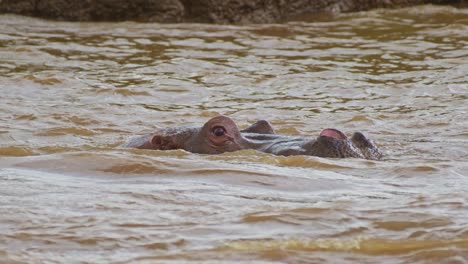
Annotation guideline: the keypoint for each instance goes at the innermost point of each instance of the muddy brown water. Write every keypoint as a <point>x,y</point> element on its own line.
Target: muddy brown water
<point>71,93</point>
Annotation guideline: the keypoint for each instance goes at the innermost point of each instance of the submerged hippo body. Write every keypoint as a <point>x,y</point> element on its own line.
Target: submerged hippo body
<point>221,134</point>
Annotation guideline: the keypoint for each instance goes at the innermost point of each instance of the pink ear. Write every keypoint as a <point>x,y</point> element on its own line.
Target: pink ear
<point>164,142</point>
<point>333,133</point>
<point>157,142</point>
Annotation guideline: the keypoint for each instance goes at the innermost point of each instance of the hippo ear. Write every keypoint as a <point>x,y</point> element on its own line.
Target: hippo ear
<point>367,146</point>
<point>156,141</point>
<point>163,142</point>
<point>260,127</point>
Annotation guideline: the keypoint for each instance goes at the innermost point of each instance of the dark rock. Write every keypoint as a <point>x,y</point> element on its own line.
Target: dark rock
<point>205,11</point>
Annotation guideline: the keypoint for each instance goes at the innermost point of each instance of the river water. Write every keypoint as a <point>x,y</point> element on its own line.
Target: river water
<point>72,93</point>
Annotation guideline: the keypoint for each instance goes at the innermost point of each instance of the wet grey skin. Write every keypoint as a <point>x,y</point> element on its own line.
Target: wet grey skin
<point>221,134</point>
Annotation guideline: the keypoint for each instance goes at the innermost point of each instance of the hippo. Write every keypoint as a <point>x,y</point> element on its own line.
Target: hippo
<point>221,134</point>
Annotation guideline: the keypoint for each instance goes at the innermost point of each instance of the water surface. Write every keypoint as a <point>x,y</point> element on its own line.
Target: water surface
<point>72,93</point>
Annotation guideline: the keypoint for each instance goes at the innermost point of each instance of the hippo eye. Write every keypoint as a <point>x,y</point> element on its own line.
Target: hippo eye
<point>219,131</point>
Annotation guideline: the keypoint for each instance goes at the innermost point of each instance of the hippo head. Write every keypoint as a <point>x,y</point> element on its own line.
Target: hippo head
<point>334,143</point>
<point>220,134</point>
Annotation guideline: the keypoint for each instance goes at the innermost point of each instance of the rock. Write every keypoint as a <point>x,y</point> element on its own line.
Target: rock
<point>203,11</point>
